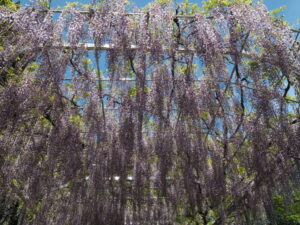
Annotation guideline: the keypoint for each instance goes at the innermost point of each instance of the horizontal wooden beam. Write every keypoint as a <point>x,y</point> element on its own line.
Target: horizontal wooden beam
<point>106,47</point>
<point>125,14</point>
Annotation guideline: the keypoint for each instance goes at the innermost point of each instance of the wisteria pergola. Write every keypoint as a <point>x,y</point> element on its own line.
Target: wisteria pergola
<point>154,116</point>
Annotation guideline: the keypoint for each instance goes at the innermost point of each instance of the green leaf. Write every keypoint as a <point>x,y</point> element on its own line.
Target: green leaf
<point>76,120</point>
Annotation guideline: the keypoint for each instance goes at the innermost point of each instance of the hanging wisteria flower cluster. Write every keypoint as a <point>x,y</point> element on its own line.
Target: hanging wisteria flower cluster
<point>147,117</point>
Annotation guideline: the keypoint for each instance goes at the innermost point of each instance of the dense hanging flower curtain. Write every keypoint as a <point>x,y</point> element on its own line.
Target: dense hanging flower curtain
<point>190,118</point>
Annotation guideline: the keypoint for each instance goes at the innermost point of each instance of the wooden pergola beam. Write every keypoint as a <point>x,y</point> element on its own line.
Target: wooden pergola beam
<point>107,47</point>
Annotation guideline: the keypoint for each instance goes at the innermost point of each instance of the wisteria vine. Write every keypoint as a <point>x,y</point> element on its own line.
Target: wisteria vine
<point>193,119</point>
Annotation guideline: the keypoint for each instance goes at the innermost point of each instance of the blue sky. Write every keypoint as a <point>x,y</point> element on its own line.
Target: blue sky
<point>292,12</point>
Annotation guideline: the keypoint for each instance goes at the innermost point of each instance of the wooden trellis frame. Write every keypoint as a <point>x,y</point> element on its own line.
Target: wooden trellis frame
<point>109,47</point>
